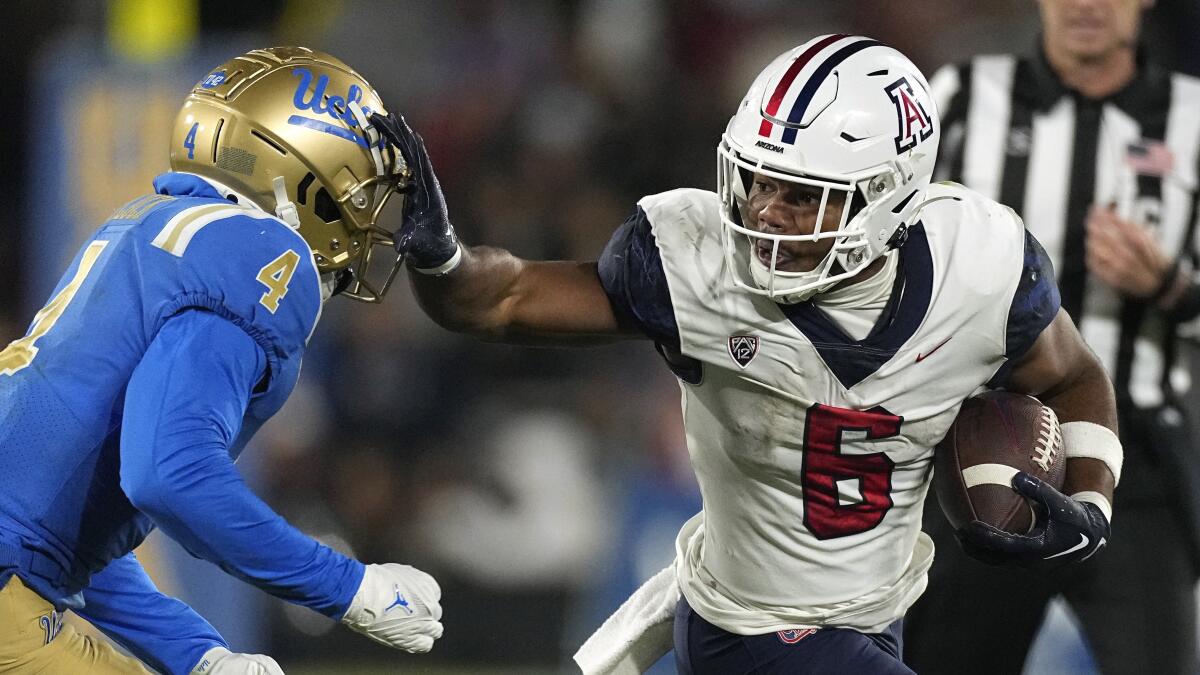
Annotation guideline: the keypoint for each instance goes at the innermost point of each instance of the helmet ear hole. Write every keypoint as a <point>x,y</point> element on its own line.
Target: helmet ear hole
<point>325,207</point>
<point>302,188</point>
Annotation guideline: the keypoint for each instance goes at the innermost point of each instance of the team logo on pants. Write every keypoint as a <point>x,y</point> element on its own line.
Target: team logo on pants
<point>743,349</point>
<point>793,636</point>
<point>51,624</point>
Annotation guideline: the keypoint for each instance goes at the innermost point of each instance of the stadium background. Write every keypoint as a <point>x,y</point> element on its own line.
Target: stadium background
<point>539,486</point>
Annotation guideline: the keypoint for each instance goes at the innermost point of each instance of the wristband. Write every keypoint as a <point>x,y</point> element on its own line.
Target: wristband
<point>1098,499</point>
<point>1093,441</point>
<point>446,267</point>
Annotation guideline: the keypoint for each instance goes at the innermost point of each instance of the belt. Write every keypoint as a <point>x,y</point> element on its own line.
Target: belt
<point>33,562</point>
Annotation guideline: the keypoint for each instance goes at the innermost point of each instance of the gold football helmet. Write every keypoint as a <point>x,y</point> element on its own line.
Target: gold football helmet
<point>289,129</point>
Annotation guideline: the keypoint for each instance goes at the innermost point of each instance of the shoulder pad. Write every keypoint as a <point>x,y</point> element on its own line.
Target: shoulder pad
<point>247,265</point>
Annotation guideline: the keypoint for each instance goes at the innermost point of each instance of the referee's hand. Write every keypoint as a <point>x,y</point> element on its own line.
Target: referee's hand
<point>1124,254</point>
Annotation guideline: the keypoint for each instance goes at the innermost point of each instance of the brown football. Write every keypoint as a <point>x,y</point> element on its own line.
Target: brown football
<point>995,435</point>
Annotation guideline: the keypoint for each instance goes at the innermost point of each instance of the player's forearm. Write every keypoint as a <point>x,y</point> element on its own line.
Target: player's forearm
<point>1085,395</point>
<point>1085,474</point>
<point>1066,376</point>
<point>477,297</point>
<point>184,407</point>
<point>1086,398</point>
<point>200,501</point>
<point>496,296</point>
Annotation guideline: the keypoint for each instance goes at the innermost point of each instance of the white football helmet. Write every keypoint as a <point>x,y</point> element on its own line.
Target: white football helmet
<point>843,113</point>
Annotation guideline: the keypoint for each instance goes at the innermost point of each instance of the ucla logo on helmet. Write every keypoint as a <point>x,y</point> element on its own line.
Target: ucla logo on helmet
<point>914,123</point>
<point>312,97</point>
<point>315,100</point>
<point>213,79</point>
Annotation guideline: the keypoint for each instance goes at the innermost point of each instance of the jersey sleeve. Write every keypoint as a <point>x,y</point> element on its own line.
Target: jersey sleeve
<point>183,411</point>
<point>252,270</point>
<point>163,632</point>
<point>1034,305</point>
<point>632,275</point>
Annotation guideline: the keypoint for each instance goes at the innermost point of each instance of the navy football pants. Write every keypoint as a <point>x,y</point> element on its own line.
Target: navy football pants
<point>703,649</point>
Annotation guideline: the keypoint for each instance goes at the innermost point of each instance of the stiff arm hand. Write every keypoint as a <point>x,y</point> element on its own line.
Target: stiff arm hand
<point>426,237</point>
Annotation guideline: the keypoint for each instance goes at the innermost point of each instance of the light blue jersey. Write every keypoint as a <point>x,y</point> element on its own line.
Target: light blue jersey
<point>175,333</point>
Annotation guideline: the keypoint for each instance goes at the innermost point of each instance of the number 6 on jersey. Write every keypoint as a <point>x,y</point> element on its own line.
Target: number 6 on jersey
<point>276,275</point>
<point>829,473</point>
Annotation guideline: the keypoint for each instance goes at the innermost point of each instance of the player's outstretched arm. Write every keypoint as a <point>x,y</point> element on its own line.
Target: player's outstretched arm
<point>1074,524</point>
<point>183,410</point>
<point>485,291</point>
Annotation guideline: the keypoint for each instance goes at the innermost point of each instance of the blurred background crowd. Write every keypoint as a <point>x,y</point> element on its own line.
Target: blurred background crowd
<point>538,486</point>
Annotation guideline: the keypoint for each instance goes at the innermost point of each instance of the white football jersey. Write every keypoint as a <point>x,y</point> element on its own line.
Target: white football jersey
<point>814,451</point>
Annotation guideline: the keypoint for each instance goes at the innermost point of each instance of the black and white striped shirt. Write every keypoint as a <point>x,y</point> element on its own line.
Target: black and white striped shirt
<point>1013,131</point>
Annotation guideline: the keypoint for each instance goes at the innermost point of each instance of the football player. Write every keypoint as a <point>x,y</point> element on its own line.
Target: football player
<point>826,311</point>
<point>175,333</point>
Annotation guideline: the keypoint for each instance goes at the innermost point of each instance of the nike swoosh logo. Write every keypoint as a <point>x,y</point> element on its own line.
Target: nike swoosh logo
<point>1083,541</point>
<point>1099,545</point>
<point>922,357</point>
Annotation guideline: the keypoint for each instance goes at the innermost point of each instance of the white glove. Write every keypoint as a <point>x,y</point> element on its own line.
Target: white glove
<point>221,661</point>
<point>397,605</point>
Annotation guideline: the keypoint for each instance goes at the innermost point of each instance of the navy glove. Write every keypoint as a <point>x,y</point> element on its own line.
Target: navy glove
<point>1067,530</point>
<point>426,237</point>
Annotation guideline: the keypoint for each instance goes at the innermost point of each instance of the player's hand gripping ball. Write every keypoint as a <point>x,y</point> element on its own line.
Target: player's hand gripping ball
<point>995,435</point>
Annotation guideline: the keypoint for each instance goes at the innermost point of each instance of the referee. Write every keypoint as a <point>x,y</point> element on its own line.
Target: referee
<point>1097,149</point>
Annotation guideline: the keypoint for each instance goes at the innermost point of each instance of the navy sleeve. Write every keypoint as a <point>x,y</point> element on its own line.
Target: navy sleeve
<point>183,410</point>
<point>1034,306</point>
<point>163,632</point>
<point>632,275</point>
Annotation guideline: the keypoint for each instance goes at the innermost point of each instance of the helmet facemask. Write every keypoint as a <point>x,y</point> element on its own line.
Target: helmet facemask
<point>851,252</point>
<point>844,114</point>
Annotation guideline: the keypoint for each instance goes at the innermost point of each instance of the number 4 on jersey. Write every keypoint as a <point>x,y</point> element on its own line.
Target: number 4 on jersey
<point>20,352</point>
<point>276,275</point>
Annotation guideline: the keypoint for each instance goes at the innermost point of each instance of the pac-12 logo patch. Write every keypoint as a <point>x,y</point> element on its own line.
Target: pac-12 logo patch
<point>743,349</point>
<point>213,80</point>
<point>793,636</point>
<point>914,122</point>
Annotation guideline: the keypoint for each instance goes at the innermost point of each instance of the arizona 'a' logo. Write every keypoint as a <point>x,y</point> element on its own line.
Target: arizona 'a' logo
<point>914,123</point>
<point>743,349</point>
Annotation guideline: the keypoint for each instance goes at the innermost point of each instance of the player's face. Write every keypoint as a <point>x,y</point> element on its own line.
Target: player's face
<point>780,207</point>
<point>1091,29</point>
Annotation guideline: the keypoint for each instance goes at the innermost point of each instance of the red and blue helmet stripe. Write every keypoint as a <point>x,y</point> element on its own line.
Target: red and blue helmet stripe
<point>809,85</point>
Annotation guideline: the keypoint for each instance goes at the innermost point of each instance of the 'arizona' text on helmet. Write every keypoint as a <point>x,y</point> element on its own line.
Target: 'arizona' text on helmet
<point>842,113</point>
<point>288,130</point>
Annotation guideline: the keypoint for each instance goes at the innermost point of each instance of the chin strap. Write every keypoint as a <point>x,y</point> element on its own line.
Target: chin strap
<point>285,210</point>
<point>371,133</point>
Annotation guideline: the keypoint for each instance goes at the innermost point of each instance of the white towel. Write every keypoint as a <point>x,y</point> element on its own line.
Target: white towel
<point>637,634</point>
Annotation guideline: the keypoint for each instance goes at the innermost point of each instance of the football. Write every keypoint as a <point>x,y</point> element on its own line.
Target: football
<point>995,435</point>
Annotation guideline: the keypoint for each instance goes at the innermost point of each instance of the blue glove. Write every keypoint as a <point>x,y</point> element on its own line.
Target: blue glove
<point>1067,530</point>
<point>426,236</point>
